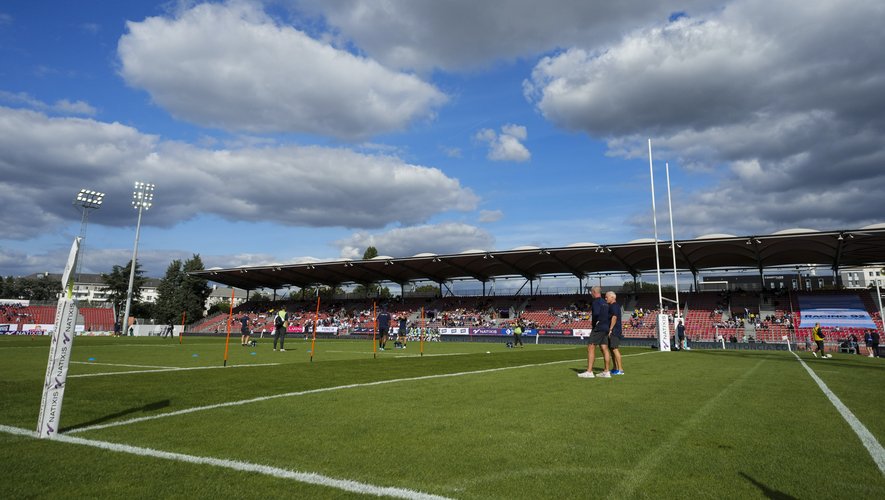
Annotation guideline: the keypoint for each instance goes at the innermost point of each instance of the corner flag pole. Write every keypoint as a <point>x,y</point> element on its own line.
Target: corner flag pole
<point>422,330</point>
<point>316,324</point>
<point>230,317</point>
<point>181,333</point>
<point>374,331</point>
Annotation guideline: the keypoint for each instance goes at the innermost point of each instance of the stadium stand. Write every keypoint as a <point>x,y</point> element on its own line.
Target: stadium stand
<point>93,319</point>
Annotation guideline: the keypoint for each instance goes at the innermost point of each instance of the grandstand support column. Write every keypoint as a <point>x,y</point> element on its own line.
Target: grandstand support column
<point>695,276</point>
<point>483,288</point>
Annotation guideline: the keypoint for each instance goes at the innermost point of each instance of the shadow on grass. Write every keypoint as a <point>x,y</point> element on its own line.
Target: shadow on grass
<point>157,405</point>
<point>768,492</point>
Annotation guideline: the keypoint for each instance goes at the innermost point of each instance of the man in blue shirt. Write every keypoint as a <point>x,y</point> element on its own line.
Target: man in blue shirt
<point>244,329</point>
<point>402,332</point>
<point>598,336</point>
<point>615,334</point>
<point>383,327</point>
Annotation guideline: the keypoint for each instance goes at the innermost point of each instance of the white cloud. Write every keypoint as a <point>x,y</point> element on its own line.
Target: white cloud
<point>445,238</point>
<point>62,106</point>
<point>233,67</point>
<point>506,146</point>
<point>91,28</point>
<point>490,215</point>
<point>785,118</point>
<point>42,159</point>
<point>458,34</point>
<point>452,152</point>
<point>153,261</point>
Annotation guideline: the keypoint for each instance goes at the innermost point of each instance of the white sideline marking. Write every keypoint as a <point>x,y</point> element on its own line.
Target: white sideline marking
<point>169,370</point>
<point>866,437</point>
<point>301,477</point>
<point>320,390</point>
<point>118,364</point>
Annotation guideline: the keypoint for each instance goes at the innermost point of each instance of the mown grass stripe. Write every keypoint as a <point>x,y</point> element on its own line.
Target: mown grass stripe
<point>324,389</point>
<point>131,372</point>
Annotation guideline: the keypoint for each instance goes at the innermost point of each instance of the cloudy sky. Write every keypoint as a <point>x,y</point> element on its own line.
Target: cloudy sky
<point>290,130</point>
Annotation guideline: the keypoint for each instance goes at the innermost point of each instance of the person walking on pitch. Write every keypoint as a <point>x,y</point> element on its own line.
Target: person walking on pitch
<point>383,327</point>
<point>817,334</point>
<point>244,329</point>
<point>517,334</point>
<point>279,334</point>
<point>615,334</point>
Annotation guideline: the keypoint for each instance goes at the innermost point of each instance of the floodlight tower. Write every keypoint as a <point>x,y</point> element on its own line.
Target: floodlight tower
<point>142,199</point>
<point>87,199</point>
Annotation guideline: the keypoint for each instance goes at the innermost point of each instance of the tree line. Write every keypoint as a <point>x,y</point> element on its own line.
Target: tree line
<point>178,293</point>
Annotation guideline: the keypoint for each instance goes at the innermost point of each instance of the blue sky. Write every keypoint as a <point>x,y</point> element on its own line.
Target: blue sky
<point>291,130</point>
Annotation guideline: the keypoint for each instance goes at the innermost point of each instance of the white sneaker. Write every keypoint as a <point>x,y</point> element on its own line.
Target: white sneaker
<point>587,374</point>
<point>604,375</point>
<point>282,350</point>
<point>815,354</point>
<point>274,349</point>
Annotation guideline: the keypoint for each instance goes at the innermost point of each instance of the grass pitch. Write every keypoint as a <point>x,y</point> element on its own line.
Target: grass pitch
<point>466,420</point>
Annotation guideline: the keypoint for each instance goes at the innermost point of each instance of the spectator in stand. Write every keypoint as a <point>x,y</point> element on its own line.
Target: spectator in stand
<point>852,343</point>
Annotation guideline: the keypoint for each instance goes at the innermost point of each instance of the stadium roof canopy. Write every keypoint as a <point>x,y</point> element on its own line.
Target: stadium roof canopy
<point>794,247</point>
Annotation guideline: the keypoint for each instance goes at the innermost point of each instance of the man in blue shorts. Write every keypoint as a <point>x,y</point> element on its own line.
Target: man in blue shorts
<point>615,334</point>
<point>598,336</point>
<point>383,327</point>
